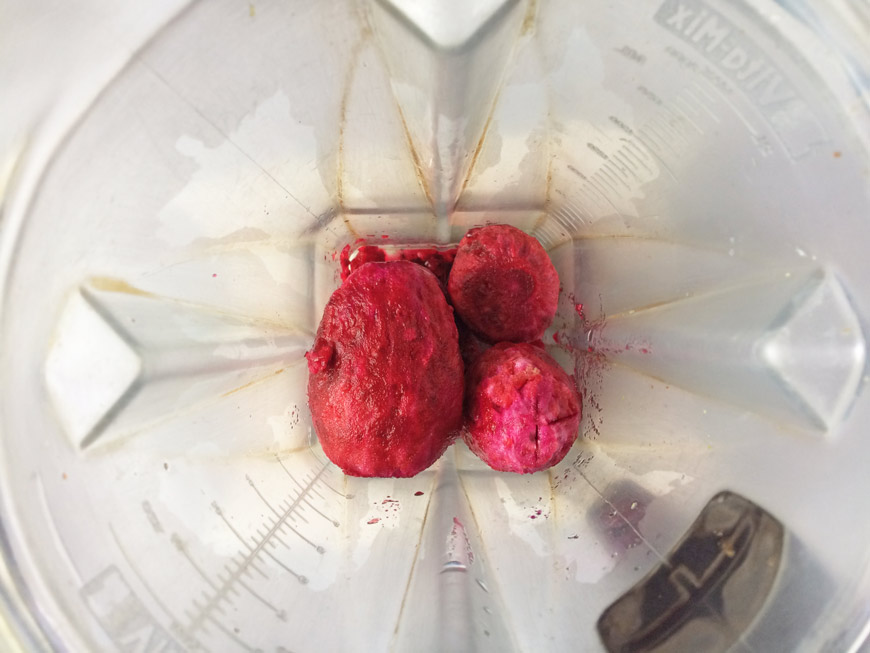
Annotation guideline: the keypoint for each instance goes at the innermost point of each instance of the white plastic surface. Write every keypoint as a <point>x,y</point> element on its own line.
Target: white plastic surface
<point>699,174</point>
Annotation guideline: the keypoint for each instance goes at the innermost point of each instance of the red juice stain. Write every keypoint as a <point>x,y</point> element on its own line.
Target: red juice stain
<point>644,351</point>
<point>214,274</point>
<point>436,261</point>
<point>579,309</point>
<point>418,493</point>
<point>374,520</point>
<point>384,236</point>
<point>345,262</point>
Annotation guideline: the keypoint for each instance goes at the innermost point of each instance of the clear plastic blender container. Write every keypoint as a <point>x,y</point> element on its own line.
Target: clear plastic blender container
<point>176,184</point>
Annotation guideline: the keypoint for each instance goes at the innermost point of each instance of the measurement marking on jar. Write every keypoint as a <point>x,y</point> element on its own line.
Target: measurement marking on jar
<point>567,219</point>
<point>616,121</point>
<point>651,140</point>
<point>576,172</point>
<point>716,93</point>
<point>692,93</point>
<point>184,636</point>
<point>254,552</point>
<point>618,171</point>
<point>607,199</point>
<point>674,122</point>
<point>683,99</point>
<point>263,537</point>
<point>602,178</point>
<point>343,496</point>
<point>592,199</point>
<point>326,517</point>
<point>678,106</point>
<point>608,171</point>
<point>597,150</point>
<point>152,517</point>
<point>550,234</point>
<point>283,526</point>
<point>181,546</point>
<point>669,130</point>
<point>653,135</point>
<point>631,149</point>
<point>596,186</point>
<point>244,569</point>
<point>310,484</point>
<point>622,165</point>
<point>561,220</point>
<point>645,142</point>
<point>122,615</point>
<point>575,210</point>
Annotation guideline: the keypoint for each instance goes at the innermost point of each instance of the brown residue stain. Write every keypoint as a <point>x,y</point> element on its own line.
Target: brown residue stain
<point>110,284</point>
<point>415,158</point>
<point>549,185</point>
<point>479,148</point>
<point>837,155</point>
<point>529,19</point>
<point>254,382</point>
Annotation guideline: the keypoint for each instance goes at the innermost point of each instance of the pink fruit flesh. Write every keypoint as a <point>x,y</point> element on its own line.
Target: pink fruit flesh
<point>522,409</point>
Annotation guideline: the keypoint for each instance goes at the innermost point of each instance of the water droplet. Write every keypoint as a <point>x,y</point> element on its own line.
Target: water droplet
<point>483,587</point>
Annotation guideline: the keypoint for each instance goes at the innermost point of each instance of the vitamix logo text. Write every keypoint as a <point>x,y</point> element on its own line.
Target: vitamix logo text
<point>745,64</point>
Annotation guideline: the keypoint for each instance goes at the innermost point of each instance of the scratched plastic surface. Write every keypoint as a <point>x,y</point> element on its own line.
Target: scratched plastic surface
<point>698,172</point>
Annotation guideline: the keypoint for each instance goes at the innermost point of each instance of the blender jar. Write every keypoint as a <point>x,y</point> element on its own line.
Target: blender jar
<point>176,184</point>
